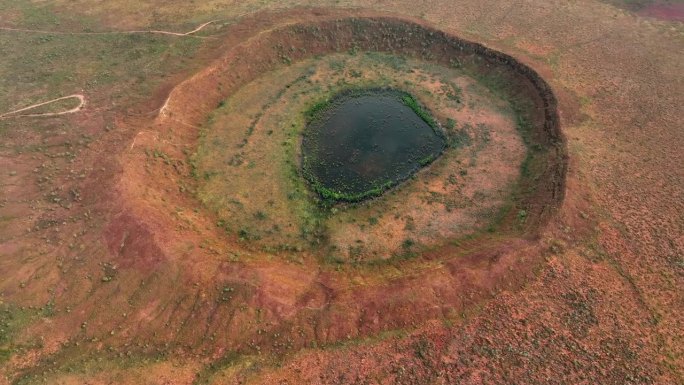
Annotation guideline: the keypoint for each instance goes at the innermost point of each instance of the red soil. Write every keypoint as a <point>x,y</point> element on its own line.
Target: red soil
<point>587,295</point>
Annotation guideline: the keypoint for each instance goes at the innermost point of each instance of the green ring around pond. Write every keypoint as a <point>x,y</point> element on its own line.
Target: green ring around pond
<point>360,143</point>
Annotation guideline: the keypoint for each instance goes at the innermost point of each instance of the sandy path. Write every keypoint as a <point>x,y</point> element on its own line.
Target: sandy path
<point>80,97</point>
<point>200,27</point>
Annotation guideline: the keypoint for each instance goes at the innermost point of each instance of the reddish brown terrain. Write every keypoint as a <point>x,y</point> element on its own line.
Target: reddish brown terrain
<point>159,232</point>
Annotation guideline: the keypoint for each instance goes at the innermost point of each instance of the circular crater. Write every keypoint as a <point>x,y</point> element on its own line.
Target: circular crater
<point>362,142</point>
<point>230,138</point>
<point>499,178</point>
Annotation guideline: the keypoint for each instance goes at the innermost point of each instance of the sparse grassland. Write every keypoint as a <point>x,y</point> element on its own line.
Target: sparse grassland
<point>139,248</point>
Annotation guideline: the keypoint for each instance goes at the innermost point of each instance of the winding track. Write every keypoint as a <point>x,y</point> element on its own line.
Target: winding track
<point>154,31</point>
<point>81,97</point>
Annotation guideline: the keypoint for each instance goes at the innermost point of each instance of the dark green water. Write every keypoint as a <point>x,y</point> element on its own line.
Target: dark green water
<point>364,143</point>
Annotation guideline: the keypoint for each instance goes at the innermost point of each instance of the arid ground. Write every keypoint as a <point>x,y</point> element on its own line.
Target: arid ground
<point>155,227</point>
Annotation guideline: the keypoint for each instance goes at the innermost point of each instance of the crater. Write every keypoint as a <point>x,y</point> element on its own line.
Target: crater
<point>499,180</point>
<point>225,199</point>
<point>363,142</point>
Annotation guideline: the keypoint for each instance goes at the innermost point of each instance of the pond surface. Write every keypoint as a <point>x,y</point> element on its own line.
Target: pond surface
<point>363,143</point>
